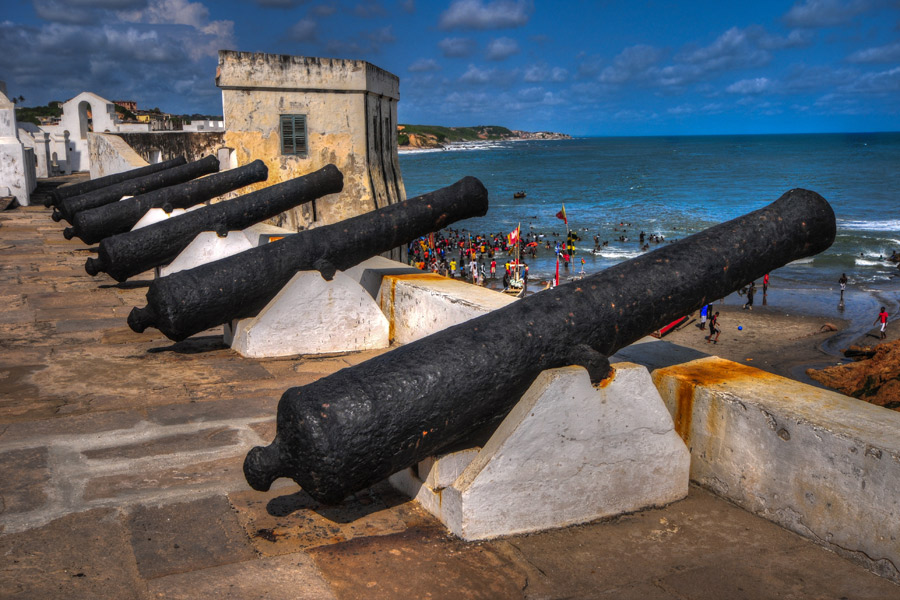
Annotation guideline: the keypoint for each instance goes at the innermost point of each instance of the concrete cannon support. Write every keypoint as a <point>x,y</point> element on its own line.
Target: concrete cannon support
<point>822,464</point>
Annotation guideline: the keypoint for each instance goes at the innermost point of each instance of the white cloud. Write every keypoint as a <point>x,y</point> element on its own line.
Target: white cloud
<point>881,82</point>
<point>115,60</point>
<point>502,48</point>
<point>369,10</point>
<point>477,76</point>
<point>280,3</point>
<point>209,36</point>
<point>366,43</point>
<point>496,14</point>
<point>323,10</point>
<point>880,54</point>
<point>457,47</point>
<point>424,65</point>
<point>539,73</point>
<point>303,31</point>
<point>750,86</point>
<point>825,13</point>
<point>635,62</point>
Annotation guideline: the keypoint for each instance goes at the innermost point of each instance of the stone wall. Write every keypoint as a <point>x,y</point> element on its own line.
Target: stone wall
<point>17,163</point>
<point>110,154</point>
<point>158,146</point>
<point>351,110</point>
<point>819,463</point>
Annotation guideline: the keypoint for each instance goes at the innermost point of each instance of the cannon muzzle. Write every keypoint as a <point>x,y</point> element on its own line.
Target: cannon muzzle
<point>96,224</point>
<point>188,302</point>
<point>76,189</point>
<point>69,207</point>
<point>351,429</point>
<point>127,254</point>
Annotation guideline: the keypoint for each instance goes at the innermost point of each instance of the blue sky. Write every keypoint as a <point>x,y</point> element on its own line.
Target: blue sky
<point>584,68</point>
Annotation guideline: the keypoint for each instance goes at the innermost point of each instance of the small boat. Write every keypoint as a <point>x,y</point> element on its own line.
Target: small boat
<point>519,194</point>
<point>664,330</point>
<point>516,280</point>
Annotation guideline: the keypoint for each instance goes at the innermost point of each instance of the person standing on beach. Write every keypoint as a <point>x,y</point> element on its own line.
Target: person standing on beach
<point>714,329</point>
<point>843,282</point>
<point>750,291</point>
<point>704,312</point>
<point>883,318</point>
<point>765,284</point>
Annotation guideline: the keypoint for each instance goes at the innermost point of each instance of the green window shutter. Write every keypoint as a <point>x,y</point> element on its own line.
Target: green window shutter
<point>293,134</point>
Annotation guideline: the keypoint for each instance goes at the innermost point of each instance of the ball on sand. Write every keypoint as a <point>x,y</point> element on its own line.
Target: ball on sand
<point>740,328</point>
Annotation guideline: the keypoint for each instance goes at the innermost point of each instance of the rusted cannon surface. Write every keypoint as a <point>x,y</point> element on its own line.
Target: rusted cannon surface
<point>68,208</point>
<point>356,427</point>
<point>118,217</point>
<point>191,301</point>
<point>76,189</point>
<point>127,254</point>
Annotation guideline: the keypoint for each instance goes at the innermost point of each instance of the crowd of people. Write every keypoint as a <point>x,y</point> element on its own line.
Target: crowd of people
<point>473,257</point>
<point>451,252</point>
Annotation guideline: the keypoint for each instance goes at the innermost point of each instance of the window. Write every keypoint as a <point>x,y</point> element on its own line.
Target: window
<point>293,134</point>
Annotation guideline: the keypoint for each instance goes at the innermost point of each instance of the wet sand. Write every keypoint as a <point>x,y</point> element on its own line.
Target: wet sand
<point>770,339</point>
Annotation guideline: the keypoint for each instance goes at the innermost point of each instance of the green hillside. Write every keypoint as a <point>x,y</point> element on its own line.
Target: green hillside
<point>444,135</point>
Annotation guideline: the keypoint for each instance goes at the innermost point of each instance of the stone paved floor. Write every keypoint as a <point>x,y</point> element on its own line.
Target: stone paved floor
<point>120,477</point>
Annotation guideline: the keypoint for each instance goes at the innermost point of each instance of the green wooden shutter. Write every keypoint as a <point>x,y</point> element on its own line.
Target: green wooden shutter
<point>293,134</point>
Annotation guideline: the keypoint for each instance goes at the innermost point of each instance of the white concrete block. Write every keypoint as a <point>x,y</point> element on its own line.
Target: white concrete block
<point>822,464</point>
<point>419,304</point>
<point>155,215</point>
<point>263,233</point>
<point>313,316</point>
<point>438,474</point>
<point>567,453</point>
<point>370,272</point>
<point>207,247</point>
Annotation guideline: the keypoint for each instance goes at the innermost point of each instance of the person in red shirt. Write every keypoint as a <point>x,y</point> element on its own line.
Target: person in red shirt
<point>765,284</point>
<point>883,317</point>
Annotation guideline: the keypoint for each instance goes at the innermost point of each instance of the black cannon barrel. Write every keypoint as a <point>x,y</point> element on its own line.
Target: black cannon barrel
<point>355,427</point>
<point>112,193</point>
<point>118,217</point>
<point>191,301</point>
<point>76,189</point>
<point>127,254</point>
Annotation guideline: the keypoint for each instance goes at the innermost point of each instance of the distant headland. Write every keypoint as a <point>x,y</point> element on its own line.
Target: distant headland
<point>435,136</point>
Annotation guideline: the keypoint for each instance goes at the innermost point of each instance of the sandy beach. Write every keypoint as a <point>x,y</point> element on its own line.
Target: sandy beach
<point>775,338</point>
<point>769,339</point>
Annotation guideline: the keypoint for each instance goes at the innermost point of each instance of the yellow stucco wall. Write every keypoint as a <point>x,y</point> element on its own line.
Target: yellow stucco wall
<point>351,114</point>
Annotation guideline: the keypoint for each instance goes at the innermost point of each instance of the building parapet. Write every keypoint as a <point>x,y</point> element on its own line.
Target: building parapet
<point>238,70</point>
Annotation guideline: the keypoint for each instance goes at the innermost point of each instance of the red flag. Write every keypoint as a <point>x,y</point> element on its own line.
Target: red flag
<point>557,269</point>
<point>562,215</point>
<point>514,236</point>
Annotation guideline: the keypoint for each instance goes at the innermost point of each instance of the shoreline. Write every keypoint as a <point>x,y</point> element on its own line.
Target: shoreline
<point>473,145</point>
<point>786,336</point>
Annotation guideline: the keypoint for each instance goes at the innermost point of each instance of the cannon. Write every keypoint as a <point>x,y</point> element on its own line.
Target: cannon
<point>127,254</point>
<point>66,209</point>
<point>349,430</point>
<point>76,189</point>
<point>187,302</point>
<point>118,217</point>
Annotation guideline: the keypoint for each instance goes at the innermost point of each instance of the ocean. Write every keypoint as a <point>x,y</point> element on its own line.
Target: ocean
<point>678,185</point>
